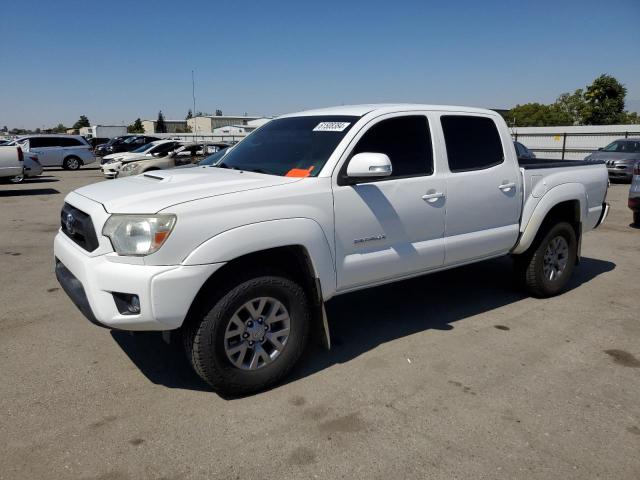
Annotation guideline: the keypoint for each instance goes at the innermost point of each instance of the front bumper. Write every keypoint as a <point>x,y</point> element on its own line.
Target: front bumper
<point>619,173</point>
<point>110,170</point>
<point>166,292</point>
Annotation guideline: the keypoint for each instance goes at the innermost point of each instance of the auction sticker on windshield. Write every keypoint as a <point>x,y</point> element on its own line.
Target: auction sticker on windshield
<point>331,126</point>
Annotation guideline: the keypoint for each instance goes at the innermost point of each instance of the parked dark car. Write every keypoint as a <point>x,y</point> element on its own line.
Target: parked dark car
<point>127,144</point>
<point>621,156</point>
<point>523,152</point>
<point>103,149</point>
<point>131,143</point>
<point>95,141</point>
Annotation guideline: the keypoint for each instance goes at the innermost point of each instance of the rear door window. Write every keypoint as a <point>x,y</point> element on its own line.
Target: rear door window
<point>473,143</point>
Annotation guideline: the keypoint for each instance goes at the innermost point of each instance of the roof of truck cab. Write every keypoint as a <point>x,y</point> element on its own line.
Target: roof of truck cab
<point>361,110</point>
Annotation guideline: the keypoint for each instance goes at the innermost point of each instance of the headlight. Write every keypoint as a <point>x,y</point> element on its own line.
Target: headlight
<point>128,167</point>
<point>138,235</point>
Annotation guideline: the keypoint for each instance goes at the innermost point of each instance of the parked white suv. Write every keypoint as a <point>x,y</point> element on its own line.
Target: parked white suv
<point>239,258</point>
<point>67,151</point>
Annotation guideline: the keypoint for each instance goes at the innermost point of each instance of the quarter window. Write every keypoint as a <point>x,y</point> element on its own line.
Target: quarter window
<point>405,140</point>
<point>473,143</point>
<point>69,142</point>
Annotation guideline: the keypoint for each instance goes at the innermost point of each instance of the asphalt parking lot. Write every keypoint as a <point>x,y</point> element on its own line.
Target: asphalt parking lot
<point>454,375</point>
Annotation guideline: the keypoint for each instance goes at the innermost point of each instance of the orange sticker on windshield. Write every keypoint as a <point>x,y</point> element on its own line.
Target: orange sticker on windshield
<point>299,172</point>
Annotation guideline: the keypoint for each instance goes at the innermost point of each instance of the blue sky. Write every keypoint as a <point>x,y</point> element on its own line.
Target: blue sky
<point>115,61</point>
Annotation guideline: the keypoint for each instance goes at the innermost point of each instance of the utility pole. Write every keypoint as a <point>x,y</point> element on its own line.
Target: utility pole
<point>193,94</point>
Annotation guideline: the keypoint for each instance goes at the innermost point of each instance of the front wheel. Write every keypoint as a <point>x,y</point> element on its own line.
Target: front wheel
<point>547,269</point>
<point>251,337</point>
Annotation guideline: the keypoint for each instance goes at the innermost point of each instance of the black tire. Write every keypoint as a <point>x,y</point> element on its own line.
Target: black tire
<point>636,218</point>
<point>71,163</point>
<point>530,266</point>
<point>204,334</point>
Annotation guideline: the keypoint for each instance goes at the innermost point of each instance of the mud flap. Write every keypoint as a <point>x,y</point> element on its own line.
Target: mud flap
<point>321,322</point>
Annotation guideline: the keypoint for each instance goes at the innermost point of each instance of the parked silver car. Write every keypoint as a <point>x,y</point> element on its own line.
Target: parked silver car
<point>621,156</point>
<point>32,168</point>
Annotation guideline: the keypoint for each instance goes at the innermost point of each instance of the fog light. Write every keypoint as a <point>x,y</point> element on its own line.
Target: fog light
<point>134,306</point>
<point>127,303</point>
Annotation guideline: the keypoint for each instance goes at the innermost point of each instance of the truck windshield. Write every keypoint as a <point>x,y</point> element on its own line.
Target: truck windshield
<point>291,147</point>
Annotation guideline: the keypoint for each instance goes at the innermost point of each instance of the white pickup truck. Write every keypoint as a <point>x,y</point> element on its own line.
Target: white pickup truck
<point>239,258</point>
<point>11,163</point>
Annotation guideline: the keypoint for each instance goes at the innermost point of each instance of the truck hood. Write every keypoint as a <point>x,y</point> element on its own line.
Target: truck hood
<point>160,189</point>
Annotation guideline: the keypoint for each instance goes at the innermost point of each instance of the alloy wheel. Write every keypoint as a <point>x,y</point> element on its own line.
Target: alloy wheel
<point>257,333</point>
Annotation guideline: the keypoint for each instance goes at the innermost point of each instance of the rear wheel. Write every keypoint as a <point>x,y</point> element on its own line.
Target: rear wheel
<point>251,337</point>
<point>71,163</point>
<point>547,267</point>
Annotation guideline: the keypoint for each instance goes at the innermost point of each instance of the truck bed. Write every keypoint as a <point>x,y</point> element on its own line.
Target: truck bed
<point>535,163</point>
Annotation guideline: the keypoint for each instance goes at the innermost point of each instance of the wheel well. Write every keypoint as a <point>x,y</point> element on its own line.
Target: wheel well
<point>292,261</point>
<point>568,211</point>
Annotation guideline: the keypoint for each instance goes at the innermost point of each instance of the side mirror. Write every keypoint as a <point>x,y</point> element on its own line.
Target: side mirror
<point>369,165</point>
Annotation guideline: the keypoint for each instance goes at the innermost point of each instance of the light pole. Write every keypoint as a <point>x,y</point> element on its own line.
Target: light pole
<point>193,94</point>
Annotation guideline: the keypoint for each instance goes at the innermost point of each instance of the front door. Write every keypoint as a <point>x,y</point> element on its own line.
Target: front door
<point>391,227</point>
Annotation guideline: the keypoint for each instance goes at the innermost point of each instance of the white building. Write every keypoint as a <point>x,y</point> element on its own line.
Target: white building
<point>173,126</point>
<point>208,123</point>
<point>250,126</point>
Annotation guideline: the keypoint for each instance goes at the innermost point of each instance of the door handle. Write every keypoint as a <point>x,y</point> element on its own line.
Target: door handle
<point>432,197</point>
<point>506,186</point>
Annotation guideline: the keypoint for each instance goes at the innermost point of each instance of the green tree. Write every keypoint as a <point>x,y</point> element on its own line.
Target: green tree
<point>604,101</point>
<point>83,121</point>
<point>536,115</point>
<point>60,128</point>
<point>5,129</point>
<point>160,125</point>
<point>189,115</point>
<point>573,106</point>
<point>630,118</point>
<point>218,112</point>
<point>136,127</point>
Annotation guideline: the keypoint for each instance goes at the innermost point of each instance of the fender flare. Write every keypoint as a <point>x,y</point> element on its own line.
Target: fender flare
<point>556,195</point>
<point>255,237</point>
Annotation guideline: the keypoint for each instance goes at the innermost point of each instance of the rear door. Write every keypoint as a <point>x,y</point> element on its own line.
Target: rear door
<point>387,228</point>
<point>48,150</point>
<point>483,189</point>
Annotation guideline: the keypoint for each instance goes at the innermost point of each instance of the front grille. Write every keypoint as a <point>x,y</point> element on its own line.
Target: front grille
<point>78,226</point>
